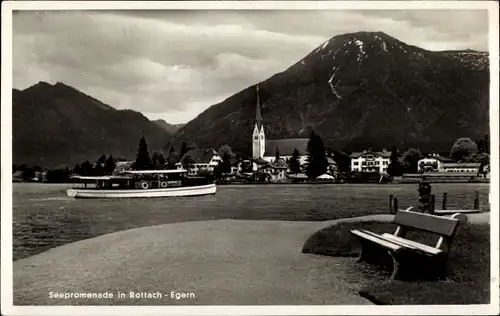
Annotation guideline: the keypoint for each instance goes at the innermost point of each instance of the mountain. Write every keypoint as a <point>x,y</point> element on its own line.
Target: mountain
<point>170,128</point>
<point>359,90</point>
<point>57,124</point>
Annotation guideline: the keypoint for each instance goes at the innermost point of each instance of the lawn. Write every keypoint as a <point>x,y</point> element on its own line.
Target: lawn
<point>468,265</point>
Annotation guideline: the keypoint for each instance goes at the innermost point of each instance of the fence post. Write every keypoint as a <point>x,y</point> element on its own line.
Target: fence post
<point>432,204</point>
<point>390,203</point>
<point>395,204</point>
<point>476,201</point>
<point>445,196</point>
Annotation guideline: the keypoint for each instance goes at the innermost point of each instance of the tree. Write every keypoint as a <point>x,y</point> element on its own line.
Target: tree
<point>410,159</point>
<point>77,169</point>
<point>463,148</point>
<point>97,170</point>
<point>294,161</point>
<point>187,162</point>
<point>157,160</point>
<point>184,150</point>
<point>394,169</point>
<point>226,163</point>
<point>142,161</point>
<point>343,161</point>
<point>226,149</point>
<point>317,162</point>
<point>172,158</point>
<point>109,165</point>
<point>101,159</point>
<point>28,173</point>
<point>86,168</point>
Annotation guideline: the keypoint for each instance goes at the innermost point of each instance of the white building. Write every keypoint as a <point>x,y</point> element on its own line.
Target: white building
<point>433,162</point>
<point>461,167</point>
<point>199,159</point>
<point>370,161</point>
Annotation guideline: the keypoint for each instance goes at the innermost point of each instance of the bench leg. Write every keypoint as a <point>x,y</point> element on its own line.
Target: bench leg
<point>371,253</point>
<point>408,266</point>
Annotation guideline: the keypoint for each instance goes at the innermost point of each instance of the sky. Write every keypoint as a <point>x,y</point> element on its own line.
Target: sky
<point>173,65</point>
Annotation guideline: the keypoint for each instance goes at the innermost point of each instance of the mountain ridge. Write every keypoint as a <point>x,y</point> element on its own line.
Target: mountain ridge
<point>346,88</point>
<point>57,125</point>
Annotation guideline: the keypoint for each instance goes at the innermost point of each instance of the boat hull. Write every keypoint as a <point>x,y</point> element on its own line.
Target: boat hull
<point>208,189</point>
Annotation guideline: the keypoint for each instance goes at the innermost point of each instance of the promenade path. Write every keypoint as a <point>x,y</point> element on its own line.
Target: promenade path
<point>223,262</point>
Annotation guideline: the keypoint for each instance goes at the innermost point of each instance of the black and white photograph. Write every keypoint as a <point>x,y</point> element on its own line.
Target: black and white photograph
<point>250,157</point>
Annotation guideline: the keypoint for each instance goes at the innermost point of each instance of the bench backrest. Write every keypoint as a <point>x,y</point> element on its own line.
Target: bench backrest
<point>443,226</point>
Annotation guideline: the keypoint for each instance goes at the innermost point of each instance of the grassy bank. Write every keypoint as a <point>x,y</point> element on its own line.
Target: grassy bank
<point>468,265</point>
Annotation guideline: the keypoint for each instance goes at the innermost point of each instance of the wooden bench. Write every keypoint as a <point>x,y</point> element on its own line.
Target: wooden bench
<point>410,259</point>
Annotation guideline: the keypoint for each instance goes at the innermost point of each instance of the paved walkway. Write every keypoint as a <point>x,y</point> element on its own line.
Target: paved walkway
<point>223,262</point>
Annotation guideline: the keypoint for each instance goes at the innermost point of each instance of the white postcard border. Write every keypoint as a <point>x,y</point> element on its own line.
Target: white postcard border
<point>6,160</point>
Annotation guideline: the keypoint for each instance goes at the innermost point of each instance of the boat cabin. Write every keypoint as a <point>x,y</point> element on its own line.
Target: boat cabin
<point>133,179</point>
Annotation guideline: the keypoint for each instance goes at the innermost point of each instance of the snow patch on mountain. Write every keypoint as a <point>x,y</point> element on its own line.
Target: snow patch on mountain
<point>361,51</point>
<point>322,46</point>
<point>330,82</point>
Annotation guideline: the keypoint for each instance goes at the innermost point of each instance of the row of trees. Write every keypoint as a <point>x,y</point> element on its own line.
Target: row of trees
<point>463,150</point>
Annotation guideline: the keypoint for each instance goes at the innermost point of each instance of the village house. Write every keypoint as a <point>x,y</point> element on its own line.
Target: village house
<point>277,170</point>
<point>370,161</point>
<point>461,167</point>
<point>433,162</point>
<point>199,159</point>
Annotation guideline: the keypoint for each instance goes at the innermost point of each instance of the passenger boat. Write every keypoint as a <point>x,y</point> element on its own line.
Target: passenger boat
<point>141,184</point>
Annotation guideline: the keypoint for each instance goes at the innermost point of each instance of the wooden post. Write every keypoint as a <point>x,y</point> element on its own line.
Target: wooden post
<point>445,197</point>
<point>395,205</point>
<point>476,201</point>
<point>390,203</point>
<point>432,204</point>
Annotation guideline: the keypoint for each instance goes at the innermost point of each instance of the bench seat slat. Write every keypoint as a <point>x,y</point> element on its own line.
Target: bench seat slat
<point>413,244</point>
<point>377,239</point>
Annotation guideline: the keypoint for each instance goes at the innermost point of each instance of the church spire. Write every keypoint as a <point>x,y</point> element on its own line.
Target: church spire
<point>258,115</point>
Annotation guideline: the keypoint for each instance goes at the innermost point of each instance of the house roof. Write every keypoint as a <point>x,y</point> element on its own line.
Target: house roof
<point>440,158</point>
<point>462,165</point>
<point>286,146</point>
<point>199,155</point>
<point>279,164</point>
<point>385,154</point>
<point>331,161</point>
<point>260,161</point>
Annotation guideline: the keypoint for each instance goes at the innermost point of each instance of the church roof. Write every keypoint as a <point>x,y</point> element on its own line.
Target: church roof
<point>286,146</point>
<point>260,161</point>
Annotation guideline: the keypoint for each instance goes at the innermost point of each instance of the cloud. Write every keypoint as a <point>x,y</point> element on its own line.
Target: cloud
<point>175,64</point>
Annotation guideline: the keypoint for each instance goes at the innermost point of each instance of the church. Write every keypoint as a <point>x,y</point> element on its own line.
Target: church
<point>265,149</point>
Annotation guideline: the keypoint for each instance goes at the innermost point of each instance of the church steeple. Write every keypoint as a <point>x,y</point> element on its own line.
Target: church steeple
<point>258,135</point>
<point>258,115</point>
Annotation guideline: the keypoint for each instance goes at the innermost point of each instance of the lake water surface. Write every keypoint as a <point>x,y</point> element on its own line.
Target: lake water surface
<point>43,217</point>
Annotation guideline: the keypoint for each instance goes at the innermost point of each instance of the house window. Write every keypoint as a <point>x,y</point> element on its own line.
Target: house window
<point>256,137</point>
<point>355,163</point>
<point>262,137</point>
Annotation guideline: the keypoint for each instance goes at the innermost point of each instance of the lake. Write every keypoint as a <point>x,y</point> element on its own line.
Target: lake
<point>43,217</point>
